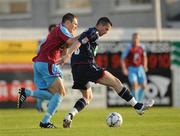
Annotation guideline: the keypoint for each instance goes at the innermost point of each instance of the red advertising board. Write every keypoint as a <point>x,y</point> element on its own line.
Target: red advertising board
<point>11,81</point>
<point>158,75</point>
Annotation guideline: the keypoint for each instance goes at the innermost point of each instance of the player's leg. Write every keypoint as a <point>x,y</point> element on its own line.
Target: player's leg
<point>38,100</point>
<point>81,82</point>
<point>79,106</point>
<point>110,80</point>
<point>95,73</point>
<point>39,94</point>
<point>133,79</point>
<point>142,80</point>
<point>39,105</point>
<point>58,91</point>
<point>135,90</point>
<point>56,87</point>
<point>50,74</point>
<point>42,93</point>
<point>82,102</point>
<point>141,91</point>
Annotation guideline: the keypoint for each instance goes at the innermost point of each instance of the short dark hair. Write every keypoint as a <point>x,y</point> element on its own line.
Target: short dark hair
<point>68,16</point>
<point>134,34</point>
<point>104,21</point>
<point>51,26</point>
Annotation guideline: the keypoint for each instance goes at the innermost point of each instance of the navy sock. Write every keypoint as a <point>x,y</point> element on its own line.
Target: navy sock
<point>80,104</point>
<point>138,106</point>
<point>125,94</point>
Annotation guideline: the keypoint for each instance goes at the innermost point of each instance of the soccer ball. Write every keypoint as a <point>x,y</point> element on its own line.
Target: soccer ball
<point>114,119</point>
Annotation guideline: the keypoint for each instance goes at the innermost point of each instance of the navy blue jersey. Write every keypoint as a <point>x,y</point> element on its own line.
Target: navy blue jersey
<point>86,53</point>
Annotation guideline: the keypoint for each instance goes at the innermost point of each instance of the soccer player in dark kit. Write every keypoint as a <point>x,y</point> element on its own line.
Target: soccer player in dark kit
<point>85,70</point>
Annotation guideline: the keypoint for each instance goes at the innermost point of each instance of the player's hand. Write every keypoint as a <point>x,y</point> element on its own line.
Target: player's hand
<point>63,60</point>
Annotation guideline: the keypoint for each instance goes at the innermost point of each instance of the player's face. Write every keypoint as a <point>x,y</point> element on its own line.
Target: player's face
<point>136,39</point>
<point>73,26</point>
<point>103,29</point>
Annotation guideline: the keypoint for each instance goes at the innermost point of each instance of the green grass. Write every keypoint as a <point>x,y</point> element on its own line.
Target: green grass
<point>91,122</point>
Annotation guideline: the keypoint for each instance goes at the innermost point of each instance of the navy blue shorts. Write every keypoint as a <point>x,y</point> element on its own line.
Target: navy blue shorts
<point>85,73</point>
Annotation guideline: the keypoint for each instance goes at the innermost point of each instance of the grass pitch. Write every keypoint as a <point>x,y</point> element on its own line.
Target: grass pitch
<point>158,121</point>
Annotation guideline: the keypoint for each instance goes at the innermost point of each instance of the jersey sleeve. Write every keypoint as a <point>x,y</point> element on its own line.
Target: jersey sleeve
<point>125,52</point>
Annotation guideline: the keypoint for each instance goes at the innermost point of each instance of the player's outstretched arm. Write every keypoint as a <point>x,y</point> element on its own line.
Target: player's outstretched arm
<point>69,52</point>
<point>70,41</point>
<point>83,39</point>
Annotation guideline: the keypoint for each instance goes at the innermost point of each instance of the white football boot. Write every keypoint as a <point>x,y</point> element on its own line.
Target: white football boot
<point>148,104</point>
<point>67,121</point>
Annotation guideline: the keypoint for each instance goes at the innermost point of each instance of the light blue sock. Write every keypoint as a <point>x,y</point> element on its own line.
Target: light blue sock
<point>141,94</point>
<point>28,92</point>
<point>39,104</point>
<point>133,93</point>
<point>52,107</point>
<point>136,95</point>
<point>41,94</point>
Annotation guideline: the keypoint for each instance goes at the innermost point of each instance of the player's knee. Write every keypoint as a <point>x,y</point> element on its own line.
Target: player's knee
<point>135,86</point>
<point>62,92</point>
<point>143,87</point>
